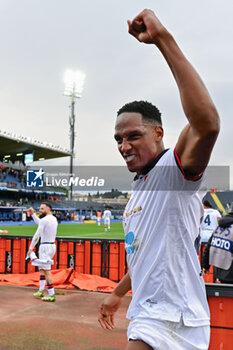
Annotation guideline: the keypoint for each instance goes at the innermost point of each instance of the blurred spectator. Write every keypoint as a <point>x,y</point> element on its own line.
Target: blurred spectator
<point>219,250</point>
<point>59,216</point>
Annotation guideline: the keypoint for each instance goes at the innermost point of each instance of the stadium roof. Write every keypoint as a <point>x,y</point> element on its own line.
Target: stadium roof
<point>13,148</point>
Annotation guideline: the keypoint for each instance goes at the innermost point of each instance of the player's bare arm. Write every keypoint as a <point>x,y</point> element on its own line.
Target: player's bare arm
<point>197,139</point>
<point>112,303</point>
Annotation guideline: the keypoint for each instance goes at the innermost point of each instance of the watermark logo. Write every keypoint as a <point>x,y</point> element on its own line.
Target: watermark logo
<point>35,178</point>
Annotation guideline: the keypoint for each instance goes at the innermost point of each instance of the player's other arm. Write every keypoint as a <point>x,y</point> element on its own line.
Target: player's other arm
<point>197,139</point>
<point>112,303</point>
<point>36,236</point>
<point>205,258</point>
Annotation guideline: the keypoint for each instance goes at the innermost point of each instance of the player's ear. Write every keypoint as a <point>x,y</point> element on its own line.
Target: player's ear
<point>158,131</point>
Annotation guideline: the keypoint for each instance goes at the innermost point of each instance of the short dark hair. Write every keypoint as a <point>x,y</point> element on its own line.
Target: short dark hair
<point>207,204</point>
<point>145,108</point>
<point>47,205</point>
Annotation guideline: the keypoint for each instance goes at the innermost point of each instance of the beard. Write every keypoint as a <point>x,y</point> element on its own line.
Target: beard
<point>41,216</point>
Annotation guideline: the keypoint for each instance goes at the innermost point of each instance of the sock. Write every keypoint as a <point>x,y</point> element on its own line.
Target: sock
<point>50,289</point>
<point>42,283</point>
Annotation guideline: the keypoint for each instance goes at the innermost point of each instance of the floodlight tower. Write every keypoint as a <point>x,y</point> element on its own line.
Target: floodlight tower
<point>74,82</point>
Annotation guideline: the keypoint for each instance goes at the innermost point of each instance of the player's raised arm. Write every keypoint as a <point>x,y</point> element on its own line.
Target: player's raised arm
<point>197,139</point>
<point>34,216</point>
<point>36,219</point>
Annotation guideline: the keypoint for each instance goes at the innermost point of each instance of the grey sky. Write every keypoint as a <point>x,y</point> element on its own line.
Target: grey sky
<point>40,39</point>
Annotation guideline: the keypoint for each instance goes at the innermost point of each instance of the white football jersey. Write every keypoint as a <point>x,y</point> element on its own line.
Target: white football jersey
<point>47,230</point>
<point>210,219</point>
<point>161,223</point>
<point>107,214</point>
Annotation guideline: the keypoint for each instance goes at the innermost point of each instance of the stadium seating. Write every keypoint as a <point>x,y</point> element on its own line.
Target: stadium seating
<point>226,198</point>
<point>7,215</point>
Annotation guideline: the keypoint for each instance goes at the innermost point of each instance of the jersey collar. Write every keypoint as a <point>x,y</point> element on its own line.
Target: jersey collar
<point>151,165</point>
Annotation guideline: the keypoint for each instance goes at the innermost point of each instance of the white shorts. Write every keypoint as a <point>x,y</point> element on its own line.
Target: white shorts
<point>107,221</point>
<point>166,335</point>
<point>46,251</point>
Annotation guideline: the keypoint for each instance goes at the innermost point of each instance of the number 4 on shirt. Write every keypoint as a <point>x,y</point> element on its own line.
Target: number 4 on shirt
<point>207,220</point>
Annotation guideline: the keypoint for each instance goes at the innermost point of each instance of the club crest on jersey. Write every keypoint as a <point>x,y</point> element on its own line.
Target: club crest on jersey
<point>131,243</point>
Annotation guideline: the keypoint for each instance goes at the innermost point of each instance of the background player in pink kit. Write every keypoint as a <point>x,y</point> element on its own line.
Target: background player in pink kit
<point>169,310</point>
<point>3,231</point>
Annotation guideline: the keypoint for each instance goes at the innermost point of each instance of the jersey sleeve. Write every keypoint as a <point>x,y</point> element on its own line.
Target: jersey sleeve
<point>182,170</point>
<point>169,175</point>
<point>36,219</point>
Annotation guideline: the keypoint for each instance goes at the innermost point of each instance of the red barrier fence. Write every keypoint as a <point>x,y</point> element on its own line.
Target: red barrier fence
<point>220,299</point>
<point>104,258</point>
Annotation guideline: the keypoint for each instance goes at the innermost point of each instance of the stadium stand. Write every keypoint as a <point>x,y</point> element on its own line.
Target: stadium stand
<point>13,191</point>
<point>225,198</point>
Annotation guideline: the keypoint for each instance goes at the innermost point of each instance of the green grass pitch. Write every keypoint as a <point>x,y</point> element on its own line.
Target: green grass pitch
<point>72,230</point>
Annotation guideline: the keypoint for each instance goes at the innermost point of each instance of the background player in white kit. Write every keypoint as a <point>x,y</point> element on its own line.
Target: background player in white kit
<point>169,309</point>
<point>46,232</point>
<point>209,221</point>
<point>107,219</point>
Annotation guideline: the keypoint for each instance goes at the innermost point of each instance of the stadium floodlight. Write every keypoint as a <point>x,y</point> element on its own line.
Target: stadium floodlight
<point>74,81</point>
